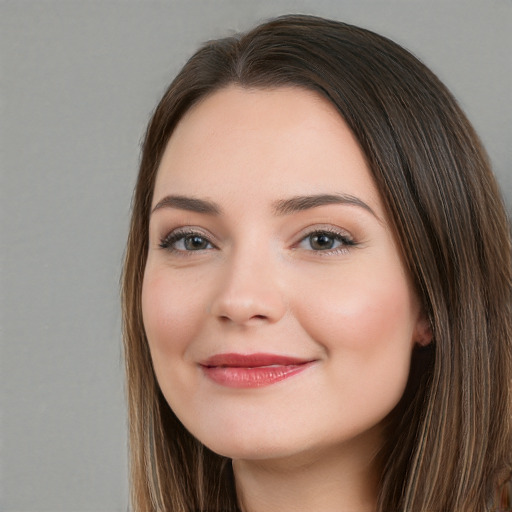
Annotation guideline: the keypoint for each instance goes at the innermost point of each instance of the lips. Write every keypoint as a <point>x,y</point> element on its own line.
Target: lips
<point>252,370</point>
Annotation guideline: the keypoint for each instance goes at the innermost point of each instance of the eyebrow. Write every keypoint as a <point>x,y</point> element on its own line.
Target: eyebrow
<point>190,204</point>
<point>281,207</point>
<point>300,203</point>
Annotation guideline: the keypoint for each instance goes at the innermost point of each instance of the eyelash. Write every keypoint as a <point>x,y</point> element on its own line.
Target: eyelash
<point>182,234</point>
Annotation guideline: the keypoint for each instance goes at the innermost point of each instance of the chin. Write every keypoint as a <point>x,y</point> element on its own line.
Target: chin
<point>252,451</point>
<point>246,443</point>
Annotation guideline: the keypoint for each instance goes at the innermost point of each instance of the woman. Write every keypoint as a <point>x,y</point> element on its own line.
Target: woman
<point>317,285</point>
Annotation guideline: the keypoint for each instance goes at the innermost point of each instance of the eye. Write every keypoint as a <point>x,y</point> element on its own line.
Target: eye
<point>186,241</point>
<point>324,240</point>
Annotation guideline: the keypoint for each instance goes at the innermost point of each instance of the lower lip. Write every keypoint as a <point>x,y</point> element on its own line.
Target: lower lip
<point>252,377</point>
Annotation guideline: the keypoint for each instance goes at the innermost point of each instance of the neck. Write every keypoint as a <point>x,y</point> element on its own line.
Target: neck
<point>327,480</point>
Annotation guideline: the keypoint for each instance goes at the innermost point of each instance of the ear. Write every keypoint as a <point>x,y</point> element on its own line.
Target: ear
<point>423,330</point>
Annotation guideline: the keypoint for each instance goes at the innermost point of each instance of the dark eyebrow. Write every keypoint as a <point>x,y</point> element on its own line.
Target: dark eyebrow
<point>281,207</point>
<point>188,203</point>
<point>300,203</point>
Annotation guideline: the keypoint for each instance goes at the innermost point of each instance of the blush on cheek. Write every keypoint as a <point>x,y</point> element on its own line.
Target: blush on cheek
<point>162,315</point>
<point>156,313</point>
<point>166,328</point>
<point>363,319</point>
<point>172,319</point>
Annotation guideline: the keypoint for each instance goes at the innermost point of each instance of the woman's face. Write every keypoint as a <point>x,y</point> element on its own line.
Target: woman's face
<point>278,312</point>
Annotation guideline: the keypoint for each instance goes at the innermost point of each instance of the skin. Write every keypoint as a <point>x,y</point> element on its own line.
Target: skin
<point>258,283</point>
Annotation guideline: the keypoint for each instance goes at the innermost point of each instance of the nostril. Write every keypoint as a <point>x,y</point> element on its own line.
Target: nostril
<point>227,318</point>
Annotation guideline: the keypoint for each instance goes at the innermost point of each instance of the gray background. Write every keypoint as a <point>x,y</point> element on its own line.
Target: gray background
<point>78,81</point>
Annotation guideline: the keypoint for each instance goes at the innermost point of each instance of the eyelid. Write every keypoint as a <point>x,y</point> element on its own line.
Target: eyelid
<point>325,228</point>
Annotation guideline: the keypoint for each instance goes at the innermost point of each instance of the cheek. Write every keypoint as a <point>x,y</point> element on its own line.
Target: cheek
<point>170,315</point>
<point>370,298</point>
<point>363,310</point>
<point>364,317</point>
<point>365,322</point>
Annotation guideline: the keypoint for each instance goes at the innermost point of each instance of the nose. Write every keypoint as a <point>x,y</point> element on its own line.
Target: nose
<point>250,291</point>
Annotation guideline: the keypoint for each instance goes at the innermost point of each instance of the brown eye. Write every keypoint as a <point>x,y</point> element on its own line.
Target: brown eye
<point>195,243</point>
<point>321,241</point>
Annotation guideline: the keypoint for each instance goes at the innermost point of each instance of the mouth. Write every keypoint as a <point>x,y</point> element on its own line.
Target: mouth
<point>252,370</point>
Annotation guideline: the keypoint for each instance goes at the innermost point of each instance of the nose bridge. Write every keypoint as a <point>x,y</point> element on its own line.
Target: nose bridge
<point>249,287</point>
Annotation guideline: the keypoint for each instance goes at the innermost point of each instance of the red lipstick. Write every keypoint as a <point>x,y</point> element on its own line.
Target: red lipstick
<point>252,370</point>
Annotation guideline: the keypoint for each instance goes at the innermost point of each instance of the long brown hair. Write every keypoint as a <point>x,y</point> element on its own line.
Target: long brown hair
<point>449,441</point>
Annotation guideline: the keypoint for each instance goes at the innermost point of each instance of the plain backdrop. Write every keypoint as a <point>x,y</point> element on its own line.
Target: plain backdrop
<point>78,82</point>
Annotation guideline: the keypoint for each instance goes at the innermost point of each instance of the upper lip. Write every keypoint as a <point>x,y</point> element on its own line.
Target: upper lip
<point>252,360</point>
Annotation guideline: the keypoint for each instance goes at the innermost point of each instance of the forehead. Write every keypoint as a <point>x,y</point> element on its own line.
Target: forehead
<point>283,141</point>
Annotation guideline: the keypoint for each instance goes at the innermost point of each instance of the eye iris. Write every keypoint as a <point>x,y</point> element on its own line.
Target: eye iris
<point>195,243</point>
<point>321,241</point>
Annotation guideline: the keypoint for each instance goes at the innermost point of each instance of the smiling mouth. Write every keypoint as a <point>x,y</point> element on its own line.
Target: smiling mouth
<point>252,370</point>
